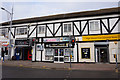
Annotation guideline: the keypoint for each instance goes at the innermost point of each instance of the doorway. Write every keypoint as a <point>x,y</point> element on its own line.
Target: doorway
<point>102,54</point>
<point>23,53</point>
<point>59,56</point>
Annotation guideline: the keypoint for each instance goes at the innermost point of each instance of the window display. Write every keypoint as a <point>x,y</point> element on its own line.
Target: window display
<point>49,58</point>
<point>67,55</point>
<point>85,53</point>
<point>49,54</point>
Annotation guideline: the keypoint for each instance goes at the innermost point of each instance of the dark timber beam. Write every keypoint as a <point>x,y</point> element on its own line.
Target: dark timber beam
<point>76,27</point>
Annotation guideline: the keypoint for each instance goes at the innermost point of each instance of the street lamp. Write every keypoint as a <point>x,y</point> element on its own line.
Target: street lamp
<point>11,16</point>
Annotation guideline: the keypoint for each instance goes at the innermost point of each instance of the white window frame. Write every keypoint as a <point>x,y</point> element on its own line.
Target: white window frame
<point>94,28</point>
<point>19,33</point>
<point>41,31</point>
<point>67,31</point>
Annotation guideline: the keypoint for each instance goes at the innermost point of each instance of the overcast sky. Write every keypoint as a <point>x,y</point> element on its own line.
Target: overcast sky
<point>37,9</point>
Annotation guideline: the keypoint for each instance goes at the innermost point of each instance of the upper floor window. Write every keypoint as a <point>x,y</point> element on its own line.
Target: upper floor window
<point>94,26</point>
<point>3,32</point>
<point>67,27</point>
<point>21,31</point>
<point>41,29</point>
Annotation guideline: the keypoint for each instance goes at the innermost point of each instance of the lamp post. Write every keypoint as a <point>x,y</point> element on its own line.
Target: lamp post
<point>11,16</point>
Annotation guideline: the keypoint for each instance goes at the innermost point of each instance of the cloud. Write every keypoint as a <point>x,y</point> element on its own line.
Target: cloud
<point>37,9</point>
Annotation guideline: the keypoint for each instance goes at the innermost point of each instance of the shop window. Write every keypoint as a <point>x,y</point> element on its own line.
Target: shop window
<point>49,54</point>
<point>41,29</point>
<point>21,31</point>
<point>67,27</point>
<point>67,55</point>
<point>56,52</point>
<point>85,53</point>
<point>50,58</point>
<point>94,26</point>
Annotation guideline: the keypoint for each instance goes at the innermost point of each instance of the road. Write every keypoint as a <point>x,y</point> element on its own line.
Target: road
<point>21,72</point>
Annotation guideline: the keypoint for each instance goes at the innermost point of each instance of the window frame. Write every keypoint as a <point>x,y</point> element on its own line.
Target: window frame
<point>5,31</point>
<point>67,28</point>
<point>82,54</point>
<point>42,31</point>
<point>18,31</point>
<point>94,28</point>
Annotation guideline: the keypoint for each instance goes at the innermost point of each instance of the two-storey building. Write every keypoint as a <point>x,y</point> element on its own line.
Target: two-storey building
<point>88,36</point>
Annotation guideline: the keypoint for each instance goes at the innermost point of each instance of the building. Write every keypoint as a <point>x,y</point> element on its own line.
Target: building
<point>89,36</point>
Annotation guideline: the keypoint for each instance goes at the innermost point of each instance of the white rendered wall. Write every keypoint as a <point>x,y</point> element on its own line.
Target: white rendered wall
<point>87,45</point>
<point>112,46</point>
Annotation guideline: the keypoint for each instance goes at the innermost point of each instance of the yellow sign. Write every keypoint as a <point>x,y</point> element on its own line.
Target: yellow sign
<point>101,37</point>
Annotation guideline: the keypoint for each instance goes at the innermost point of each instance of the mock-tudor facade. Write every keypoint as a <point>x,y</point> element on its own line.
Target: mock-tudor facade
<point>89,36</point>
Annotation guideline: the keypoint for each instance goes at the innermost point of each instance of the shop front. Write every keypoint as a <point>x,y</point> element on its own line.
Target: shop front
<point>59,52</point>
<point>4,49</point>
<point>22,50</point>
<point>103,46</point>
<point>102,52</point>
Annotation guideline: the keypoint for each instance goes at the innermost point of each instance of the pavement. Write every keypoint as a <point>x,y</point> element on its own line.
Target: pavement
<point>60,66</point>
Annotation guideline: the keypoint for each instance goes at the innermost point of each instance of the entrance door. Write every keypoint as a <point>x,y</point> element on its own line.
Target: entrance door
<point>59,55</point>
<point>102,54</point>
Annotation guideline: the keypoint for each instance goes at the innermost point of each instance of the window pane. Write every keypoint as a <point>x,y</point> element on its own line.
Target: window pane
<point>69,27</point>
<point>25,30</point>
<point>49,52</point>
<point>41,29</point>
<point>67,52</point>
<point>65,27</point>
<point>91,25</point>
<point>96,25</point>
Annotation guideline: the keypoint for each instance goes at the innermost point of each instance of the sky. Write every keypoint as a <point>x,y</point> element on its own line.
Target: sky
<point>28,9</point>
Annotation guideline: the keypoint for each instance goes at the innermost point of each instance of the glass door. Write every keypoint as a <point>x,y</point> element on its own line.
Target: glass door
<point>59,56</point>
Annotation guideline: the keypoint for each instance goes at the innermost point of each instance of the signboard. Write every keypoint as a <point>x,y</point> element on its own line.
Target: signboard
<point>101,37</point>
<point>51,40</point>
<point>21,42</point>
<point>54,45</point>
<point>61,39</point>
<point>85,53</point>
<point>4,42</point>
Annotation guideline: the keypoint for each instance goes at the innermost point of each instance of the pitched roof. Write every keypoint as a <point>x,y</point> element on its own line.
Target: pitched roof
<point>107,11</point>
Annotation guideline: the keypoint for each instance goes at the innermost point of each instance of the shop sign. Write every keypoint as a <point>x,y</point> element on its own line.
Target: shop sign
<point>78,38</point>
<point>85,53</point>
<point>101,37</point>
<point>54,45</point>
<point>4,42</point>
<point>65,39</point>
<point>61,39</point>
<point>21,42</point>
<point>51,39</point>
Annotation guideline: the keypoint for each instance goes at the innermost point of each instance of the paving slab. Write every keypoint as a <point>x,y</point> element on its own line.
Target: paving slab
<point>47,65</point>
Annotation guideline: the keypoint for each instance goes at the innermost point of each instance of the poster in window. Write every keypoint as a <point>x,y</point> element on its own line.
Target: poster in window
<point>85,53</point>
